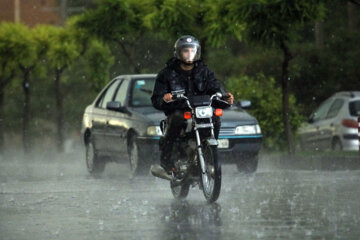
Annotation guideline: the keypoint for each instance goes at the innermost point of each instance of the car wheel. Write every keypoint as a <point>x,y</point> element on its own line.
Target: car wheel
<point>248,164</point>
<point>336,145</point>
<point>94,163</point>
<point>136,158</point>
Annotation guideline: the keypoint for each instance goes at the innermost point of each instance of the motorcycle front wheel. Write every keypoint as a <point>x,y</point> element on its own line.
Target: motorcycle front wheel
<point>211,179</point>
<point>179,191</point>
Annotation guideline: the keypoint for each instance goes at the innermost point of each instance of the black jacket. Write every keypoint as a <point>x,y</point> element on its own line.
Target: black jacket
<point>201,81</point>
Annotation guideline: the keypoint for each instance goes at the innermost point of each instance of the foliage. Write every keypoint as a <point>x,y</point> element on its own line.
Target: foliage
<point>202,19</point>
<point>266,106</point>
<point>221,25</point>
<point>117,21</point>
<point>99,61</point>
<point>41,35</point>
<point>63,50</point>
<point>177,17</point>
<point>322,72</point>
<point>114,20</point>
<point>16,46</point>
<point>272,22</point>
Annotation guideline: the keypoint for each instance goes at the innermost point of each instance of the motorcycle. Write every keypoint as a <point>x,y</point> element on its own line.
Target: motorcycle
<point>195,150</point>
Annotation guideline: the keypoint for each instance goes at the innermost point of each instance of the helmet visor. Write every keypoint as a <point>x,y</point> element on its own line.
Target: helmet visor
<point>189,54</point>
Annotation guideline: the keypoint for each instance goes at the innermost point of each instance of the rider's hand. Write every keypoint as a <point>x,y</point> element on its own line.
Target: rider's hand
<point>230,100</point>
<point>167,97</point>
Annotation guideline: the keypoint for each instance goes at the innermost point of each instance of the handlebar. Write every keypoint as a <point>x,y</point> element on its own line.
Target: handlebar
<point>220,96</point>
<point>180,95</point>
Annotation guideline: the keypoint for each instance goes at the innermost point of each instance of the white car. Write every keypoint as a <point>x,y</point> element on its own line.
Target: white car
<point>334,125</point>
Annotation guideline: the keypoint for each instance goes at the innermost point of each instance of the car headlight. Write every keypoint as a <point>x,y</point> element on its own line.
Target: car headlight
<point>248,129</point>
<point>204,112</point>
<point>258,129</point>
<point>154,131</point>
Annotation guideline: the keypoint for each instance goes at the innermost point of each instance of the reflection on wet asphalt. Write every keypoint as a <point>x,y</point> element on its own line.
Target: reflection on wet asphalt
<point>59,200</point>
<point>186,220</point>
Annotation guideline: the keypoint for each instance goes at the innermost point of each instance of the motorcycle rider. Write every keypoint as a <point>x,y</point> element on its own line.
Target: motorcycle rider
<point>184,71</point>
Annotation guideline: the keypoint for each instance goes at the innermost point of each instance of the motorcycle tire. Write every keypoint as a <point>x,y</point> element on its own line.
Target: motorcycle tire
<point>211,180</point>
<point>179,191</point>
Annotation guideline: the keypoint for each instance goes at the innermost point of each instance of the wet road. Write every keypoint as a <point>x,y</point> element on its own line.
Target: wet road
<point>57,199</point>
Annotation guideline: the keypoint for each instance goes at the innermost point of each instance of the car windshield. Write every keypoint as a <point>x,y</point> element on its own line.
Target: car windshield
<point>141,91</point>
<point>354,108</point>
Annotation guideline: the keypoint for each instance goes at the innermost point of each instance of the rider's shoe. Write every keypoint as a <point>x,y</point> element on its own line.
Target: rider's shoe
<point>160,172</point>
<point>169,169</point>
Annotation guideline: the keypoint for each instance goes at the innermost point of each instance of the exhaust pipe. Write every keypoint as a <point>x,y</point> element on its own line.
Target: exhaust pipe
<point>158,171</point>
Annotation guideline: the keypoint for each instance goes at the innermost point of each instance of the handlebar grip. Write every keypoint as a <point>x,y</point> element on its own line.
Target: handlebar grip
<point>226,96</point>
<point>174,97</point>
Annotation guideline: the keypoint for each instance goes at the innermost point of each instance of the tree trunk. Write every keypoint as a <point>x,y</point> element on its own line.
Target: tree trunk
<point>319,35</point>
<point>3,83</point>
<point>351,9</point>
<point>203,43</point>
<point>129,57</point>
<point>2,121</point>
<point>59,111</point>
<point>26,111</point>
<point>285,98</point>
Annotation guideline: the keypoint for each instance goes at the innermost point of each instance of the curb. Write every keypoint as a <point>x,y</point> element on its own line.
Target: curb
<point>315,163</point>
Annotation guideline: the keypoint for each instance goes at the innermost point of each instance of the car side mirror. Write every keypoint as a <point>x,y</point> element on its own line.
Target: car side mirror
<point>115,106</point>
<point>244,104</point>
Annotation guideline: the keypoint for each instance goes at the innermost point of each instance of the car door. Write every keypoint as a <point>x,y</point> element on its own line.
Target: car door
<point>314,135</point>
<point>100,117</point>
<point>119,122</point>
<point>327,127</point>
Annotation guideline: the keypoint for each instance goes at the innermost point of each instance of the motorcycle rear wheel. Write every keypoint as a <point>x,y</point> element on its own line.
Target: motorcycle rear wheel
<point>211,180</point>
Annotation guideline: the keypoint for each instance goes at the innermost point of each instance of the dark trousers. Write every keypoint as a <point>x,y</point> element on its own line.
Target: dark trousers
<point>175,124</point>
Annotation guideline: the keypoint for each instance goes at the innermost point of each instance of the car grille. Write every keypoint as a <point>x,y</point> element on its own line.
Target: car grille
<point>227,131</point>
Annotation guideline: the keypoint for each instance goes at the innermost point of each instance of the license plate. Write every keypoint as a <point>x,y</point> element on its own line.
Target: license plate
<point>223,143</point>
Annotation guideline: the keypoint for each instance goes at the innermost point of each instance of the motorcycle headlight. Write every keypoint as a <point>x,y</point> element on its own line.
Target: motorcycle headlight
<point>204,112</point>
<point>154,131</point>
<point>248,129</point>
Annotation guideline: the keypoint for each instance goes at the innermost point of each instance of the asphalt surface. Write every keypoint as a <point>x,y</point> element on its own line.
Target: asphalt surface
<point>52,196</point>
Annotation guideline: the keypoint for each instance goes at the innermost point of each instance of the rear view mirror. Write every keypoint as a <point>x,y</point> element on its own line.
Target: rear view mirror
<point>244,104</point>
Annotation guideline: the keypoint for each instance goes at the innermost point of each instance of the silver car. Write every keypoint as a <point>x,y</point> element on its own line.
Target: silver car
<point>334,125</point>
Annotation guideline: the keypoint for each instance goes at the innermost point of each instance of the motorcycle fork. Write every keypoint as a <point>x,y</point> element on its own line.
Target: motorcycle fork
<point>198,146</point>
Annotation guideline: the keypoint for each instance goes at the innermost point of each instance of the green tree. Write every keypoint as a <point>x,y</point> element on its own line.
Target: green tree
<point>117,21</point>
<point>99,61</point>
<point>14,49</point>
<point>62,53</point>
<point>275,23</point>
<point>38,43</point>
<point>173,18</point>
<point>266,106</point>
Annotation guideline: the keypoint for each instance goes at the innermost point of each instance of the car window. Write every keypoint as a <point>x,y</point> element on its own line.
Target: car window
<point>354,108</point>
<point>141,91</point>
<point>122,92</point>
<point>108,94</point>
<point>321,112</point>
<point>335,108</point>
